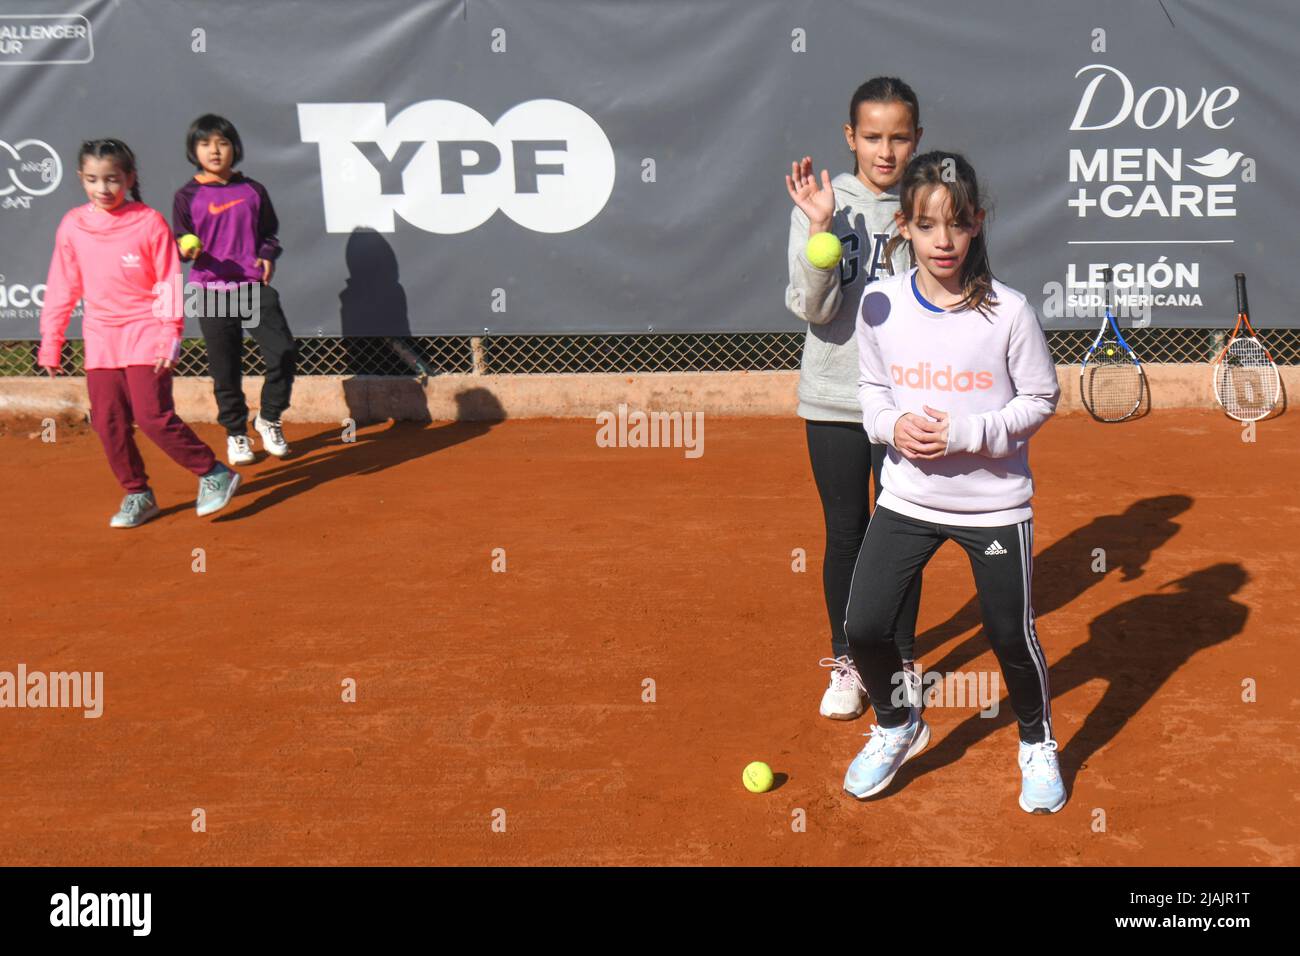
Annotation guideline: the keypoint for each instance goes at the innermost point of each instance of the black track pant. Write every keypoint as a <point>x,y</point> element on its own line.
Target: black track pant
<point>843,463</point>
<point>223,332</point>
<point>894,553</point>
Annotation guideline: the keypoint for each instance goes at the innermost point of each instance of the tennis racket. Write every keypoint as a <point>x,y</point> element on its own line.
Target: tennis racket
<point>1111,380</point>
<point>1246,382</point>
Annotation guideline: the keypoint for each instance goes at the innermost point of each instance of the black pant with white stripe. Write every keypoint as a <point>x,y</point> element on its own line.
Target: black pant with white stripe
<point>844,464</point>
<point>896,549</point>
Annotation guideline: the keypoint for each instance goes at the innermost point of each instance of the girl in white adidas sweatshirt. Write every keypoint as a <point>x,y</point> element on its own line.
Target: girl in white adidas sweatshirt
<point>955,376</point>
<point>859,208</point>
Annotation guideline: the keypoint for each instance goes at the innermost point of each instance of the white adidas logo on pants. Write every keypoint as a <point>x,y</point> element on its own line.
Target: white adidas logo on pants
<point>995,548</point>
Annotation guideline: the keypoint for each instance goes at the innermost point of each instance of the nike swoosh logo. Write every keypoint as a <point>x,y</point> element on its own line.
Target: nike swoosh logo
<point>218,210</point>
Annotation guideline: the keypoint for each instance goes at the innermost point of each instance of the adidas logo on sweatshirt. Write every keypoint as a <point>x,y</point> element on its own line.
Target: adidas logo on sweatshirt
<point>991,373</point>
<point>943,379</point>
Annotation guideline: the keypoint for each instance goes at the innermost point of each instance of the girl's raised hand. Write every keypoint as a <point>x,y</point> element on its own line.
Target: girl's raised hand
<point>816,200</point>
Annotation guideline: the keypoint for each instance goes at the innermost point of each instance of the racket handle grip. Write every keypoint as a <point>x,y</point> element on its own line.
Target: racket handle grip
<point>1108,287</point>
<point>1242,307</point>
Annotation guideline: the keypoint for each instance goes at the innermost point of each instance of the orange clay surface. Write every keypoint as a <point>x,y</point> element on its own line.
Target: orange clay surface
<point>523,690</point>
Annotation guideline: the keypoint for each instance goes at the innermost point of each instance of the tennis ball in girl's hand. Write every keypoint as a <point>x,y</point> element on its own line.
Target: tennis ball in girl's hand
<point>758,775</point>
<point>190,244</point>
<point>824,250</point>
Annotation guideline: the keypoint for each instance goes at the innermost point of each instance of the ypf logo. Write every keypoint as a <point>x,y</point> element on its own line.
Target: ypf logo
<point>30,166</point>
<point>444,168</point>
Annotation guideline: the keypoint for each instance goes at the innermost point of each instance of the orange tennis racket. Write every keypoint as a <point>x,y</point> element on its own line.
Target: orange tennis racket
<point>1246,382</point>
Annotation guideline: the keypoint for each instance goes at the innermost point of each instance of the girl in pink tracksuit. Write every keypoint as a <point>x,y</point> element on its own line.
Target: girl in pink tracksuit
<point>119,256</point>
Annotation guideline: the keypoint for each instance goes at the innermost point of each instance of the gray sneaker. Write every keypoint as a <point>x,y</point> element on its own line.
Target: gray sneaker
<point>137,508</point>
<point>216,488</point>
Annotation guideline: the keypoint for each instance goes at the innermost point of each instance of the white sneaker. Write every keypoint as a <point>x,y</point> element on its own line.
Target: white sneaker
<point>272,438</point>
<point>239,450</point>
<point>845,697</point>
<point>1041,788</point>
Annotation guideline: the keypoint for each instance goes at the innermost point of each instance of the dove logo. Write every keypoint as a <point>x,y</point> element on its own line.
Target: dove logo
<point>444,168</point>
<point>1151,109</point>
<point>1215,164</point>
<point>1164,194</point>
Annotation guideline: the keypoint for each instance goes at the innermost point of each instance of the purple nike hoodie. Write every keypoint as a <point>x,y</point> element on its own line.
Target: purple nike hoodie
<point>236,223</point>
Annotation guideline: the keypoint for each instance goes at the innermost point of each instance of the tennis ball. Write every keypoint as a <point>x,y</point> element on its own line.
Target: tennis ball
<point>190,244</point>
<point>1110,351</point>
<point>758,775</point>
<point>824,250</point>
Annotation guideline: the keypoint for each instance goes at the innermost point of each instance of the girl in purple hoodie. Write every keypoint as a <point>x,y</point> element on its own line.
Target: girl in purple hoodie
<point>235,223</point>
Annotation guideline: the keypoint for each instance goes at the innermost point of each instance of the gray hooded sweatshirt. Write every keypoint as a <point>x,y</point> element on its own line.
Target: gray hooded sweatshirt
<point>827,299</point>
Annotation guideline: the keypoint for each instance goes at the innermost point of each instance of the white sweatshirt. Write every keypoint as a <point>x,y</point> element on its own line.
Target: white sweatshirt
<point>992,373</point>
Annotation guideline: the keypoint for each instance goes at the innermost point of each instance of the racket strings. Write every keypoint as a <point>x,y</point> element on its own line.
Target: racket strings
<point>1246,383</point>
<point>1112,383</point>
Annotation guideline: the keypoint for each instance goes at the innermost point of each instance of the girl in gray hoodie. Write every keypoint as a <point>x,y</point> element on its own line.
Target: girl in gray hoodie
<point>882,134</point>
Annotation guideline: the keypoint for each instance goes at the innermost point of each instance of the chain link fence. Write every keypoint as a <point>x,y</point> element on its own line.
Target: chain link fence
<point>664,352</point>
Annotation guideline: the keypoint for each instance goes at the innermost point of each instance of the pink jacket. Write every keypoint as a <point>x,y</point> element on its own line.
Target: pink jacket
<point>114,260</point>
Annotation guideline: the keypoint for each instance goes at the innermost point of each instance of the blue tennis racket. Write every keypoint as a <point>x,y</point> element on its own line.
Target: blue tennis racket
<point>1111,381</point>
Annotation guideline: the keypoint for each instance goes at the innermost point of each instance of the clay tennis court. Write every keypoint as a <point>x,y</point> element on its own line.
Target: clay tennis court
<point>523,690</point>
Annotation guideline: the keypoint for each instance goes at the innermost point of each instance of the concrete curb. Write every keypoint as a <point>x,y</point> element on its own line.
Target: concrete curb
<point>366,399</point>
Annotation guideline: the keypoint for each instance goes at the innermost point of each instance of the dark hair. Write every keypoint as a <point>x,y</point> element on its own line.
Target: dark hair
<point>116,150</point>
<point>207,126</point>
<point>885,89</point>
<point>950,171</point>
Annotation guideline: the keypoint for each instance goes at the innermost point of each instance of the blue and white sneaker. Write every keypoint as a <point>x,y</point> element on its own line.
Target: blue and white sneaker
<point>1041,788</point>
<point>886,751</point>
<point>216,488</point>
<point>137,508</point>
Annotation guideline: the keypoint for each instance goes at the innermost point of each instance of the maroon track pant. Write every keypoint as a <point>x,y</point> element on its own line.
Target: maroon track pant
<point>120,397</point>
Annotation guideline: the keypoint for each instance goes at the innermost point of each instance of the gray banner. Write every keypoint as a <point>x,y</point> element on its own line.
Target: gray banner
<point>582,166</point>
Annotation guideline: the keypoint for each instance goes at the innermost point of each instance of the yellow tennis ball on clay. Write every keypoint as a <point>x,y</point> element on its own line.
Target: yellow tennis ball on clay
<point>757,777</point>
<point>824,250</point>
<point>190,244</point>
